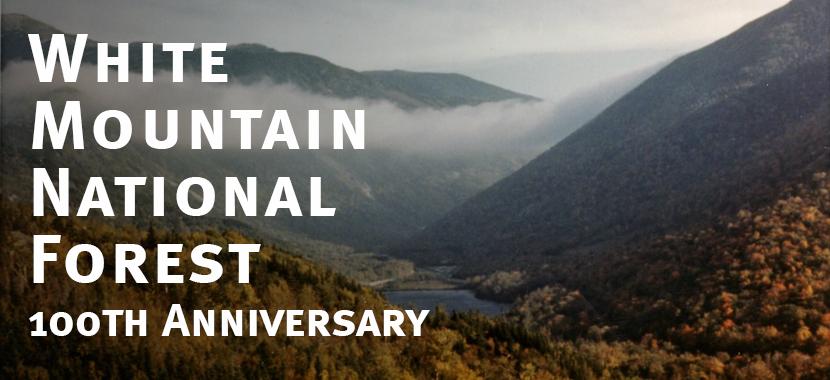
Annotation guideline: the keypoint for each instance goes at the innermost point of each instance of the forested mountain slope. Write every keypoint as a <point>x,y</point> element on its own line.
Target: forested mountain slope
<point>724,127</point>
<point>451,347</point>
<point>754,283</point>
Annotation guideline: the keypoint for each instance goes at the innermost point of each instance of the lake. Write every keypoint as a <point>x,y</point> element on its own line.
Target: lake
<point>450,300</point>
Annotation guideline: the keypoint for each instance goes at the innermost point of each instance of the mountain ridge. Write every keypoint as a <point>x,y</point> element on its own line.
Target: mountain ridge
<point>394,208</point>
<point>252,62</point>
<point>695,140</point>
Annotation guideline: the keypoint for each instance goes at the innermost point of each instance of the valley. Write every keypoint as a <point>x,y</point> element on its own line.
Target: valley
<point>716,130</point>
<point>673,224</point>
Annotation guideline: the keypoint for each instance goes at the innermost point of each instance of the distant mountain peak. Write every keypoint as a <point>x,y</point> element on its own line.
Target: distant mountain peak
<point>21,22</point>
<point>252,62</point>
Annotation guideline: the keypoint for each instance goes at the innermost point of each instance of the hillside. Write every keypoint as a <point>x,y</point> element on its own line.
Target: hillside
<point>451,347</point>
<point>755,283</point>
<point>279,280</point>
<point>373,189</point>
<point>458,346</point>
<point>248,63</point>
<point>722,128</point>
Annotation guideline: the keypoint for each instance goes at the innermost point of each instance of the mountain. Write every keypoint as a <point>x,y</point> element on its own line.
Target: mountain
<point>247,63</point>
<point>725,127</point>
<point>374,190</point>
<point>755,282</point>
<point>471,345</point>
<point>450,347</point>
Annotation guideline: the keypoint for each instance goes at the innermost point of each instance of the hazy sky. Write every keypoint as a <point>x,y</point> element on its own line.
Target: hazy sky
<point>406,34</point>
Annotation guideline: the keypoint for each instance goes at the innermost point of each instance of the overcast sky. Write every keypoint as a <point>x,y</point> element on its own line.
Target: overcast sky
<point>404,34</point>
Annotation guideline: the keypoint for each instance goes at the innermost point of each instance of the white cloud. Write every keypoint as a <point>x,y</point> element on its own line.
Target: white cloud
<point>502,126</point>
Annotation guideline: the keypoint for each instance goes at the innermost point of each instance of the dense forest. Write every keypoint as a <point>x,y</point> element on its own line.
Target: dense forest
<point>752,289</point>
<point>453,346</point>
<point>613,245</point>
<point>457,346</point>
<point>745,299</point>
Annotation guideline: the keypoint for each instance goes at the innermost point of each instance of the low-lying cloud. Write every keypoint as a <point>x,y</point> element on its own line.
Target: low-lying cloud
<point>499,127</point>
